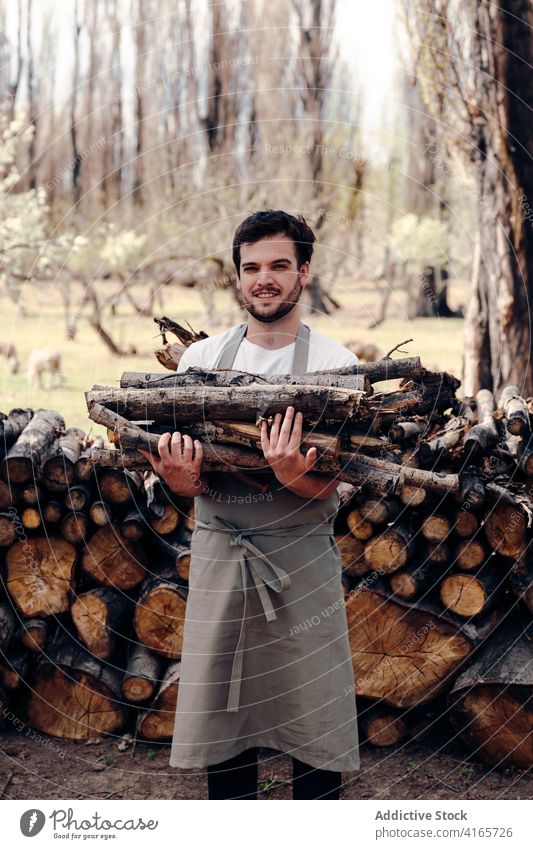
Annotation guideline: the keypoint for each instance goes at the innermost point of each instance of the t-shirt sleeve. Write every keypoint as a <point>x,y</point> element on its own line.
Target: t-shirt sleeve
<point>190,357</point>
<point>340,358</point>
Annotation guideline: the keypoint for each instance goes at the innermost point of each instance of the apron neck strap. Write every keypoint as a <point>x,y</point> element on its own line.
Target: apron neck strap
<point>229,351</point>
<point>301,348</point>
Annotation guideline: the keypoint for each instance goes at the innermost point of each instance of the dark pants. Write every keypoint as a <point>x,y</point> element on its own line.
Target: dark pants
<point>236,778</point>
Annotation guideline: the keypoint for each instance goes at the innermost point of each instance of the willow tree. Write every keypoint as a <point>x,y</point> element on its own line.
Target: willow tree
<point>474,61</point>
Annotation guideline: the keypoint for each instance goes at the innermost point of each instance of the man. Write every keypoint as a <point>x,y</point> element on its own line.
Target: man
<point>266,659</point>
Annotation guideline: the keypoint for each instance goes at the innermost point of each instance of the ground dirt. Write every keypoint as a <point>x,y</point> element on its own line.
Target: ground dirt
<point>57,769</point>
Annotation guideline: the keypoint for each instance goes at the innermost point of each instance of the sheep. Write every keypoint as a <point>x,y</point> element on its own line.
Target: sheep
<point>43,360</point>
<point>8,350</point>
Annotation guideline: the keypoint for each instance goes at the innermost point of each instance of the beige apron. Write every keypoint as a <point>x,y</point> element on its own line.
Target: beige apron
<point>266,659</point>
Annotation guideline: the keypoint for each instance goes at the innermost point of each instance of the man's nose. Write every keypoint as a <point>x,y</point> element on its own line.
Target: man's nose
<point>264,275</point>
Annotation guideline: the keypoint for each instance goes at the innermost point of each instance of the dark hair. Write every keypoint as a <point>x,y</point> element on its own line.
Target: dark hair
<point>269,222</point>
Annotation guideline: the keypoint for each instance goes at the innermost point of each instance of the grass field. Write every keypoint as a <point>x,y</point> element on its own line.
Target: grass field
<point>86,360</point>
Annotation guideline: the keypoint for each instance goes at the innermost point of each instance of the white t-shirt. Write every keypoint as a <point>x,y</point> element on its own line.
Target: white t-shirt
<point>324,353</point>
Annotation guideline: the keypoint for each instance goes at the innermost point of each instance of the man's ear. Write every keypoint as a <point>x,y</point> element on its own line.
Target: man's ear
<point>304,273</point>
<point>238,281</point>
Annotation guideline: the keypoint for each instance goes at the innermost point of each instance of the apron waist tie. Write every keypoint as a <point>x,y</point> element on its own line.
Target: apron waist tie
<point>264,574</point>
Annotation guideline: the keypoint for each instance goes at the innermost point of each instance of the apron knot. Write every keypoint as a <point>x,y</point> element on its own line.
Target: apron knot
<point>264,573</point>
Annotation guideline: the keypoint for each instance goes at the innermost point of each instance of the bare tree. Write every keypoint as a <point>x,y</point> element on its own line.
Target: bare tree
<point>317,53</point>
<point>76,158</point>
<point>483,52</point>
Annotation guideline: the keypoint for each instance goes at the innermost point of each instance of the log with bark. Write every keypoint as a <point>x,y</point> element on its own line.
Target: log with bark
<point>492,699</point>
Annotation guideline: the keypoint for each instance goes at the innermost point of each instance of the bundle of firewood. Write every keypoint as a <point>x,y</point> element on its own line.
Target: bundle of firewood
<point>95,566</point>
<point>433,533</point>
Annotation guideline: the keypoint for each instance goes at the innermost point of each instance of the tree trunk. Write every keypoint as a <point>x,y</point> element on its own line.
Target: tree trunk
<point>498,340</point>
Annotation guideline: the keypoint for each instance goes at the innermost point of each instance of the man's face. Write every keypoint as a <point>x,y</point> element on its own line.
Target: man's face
<point>270,283</point>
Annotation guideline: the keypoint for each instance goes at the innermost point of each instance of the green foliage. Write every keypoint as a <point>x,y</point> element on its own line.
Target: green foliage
<point>420,241</point>
<point>23,220</point>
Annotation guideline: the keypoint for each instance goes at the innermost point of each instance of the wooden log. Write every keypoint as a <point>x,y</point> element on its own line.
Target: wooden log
<point>401,655</point>
<point>413,496</point>
<point>444,440</point>
<point>31,518</point>
<point>384,369</point>
<point>168,522</point>
<point>515,411</point>
<point>101,513</point>
<point>379,510</point>
<point>360,528</point>
<point>491,701</point>
<point>32,446</point>
<point>382,727</point>
<point>438,390</point>
<point>436,528</point>
<point>12,425</point>
<point>364,442</point>
<point>437,553</point>
<point>142,674</point>
<point>248,435</point>
<point>78,496</point>
<point>53,512</point>
<point>40,572</point>
<point>98,615</point>
<point>133,525</point>
<point>482,438</point>
<point>505,528</point>
<point>33,633</point>
<point>74,695</point>
<point>118,487</point>
<point>352,552</point>
<point>470,554</point>
<point>407,431</point>
<point>9,495</point>
<point>470,594</point>
<point>58,466</point>
<point>390,550</point>
<point>213,403</point>
<point>8,532</point>
<point>198,377</point>
<point>8,624</point>
<point>75,527</point>
<point>176,551</point>
<point>14,666</point>
<point>473,489</point>
<point>525,455</point>
<point>521,579</point>
<point>32,494</point>
<point>159,617</point>
<point>83,467</point>
<point>414,579</point>
<point>114,561</point>
<point>466,524</point>
<point>157,723</point>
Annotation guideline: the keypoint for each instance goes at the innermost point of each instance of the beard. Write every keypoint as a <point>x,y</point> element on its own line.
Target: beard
<point>283,309</point>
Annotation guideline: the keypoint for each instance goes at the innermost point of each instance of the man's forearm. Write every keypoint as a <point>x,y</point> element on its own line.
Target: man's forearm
<point>313,485</point>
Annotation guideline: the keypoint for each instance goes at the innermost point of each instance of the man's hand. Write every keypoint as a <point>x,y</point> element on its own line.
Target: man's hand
<point>282,451</point>
<point>179,465</point>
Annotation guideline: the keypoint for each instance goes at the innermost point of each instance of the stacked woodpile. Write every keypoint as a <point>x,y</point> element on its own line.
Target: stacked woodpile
<point>433,530</point>
<point>94,586</point>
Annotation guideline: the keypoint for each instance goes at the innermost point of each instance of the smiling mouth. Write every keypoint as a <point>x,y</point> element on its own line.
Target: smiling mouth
<point>265,296</point>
